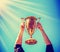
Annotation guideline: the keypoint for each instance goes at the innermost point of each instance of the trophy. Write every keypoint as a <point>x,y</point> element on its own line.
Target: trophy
<point>30,23</point>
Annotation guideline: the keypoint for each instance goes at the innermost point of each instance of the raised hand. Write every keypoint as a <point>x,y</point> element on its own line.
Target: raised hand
<point>39,26</point>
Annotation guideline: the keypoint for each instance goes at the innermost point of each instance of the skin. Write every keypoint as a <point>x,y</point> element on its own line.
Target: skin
<point>39,26</point>
<point>46,39</point>
<point>20,35</point>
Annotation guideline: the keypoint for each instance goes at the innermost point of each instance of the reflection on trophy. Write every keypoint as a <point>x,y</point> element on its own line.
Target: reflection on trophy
<point>30,23</point>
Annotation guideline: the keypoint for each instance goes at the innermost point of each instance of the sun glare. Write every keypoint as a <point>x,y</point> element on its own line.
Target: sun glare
<point>3,4</point>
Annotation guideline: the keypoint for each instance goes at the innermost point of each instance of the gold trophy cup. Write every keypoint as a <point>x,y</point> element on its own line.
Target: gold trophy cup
<point>30,25</point>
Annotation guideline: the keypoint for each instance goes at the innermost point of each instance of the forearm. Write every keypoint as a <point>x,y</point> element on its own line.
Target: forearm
<point>46,39</point>
<point>19,38</point>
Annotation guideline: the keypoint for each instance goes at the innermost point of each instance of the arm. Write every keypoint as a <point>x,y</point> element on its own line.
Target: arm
<point>46,39</point>
<point>18,44</point>
<point>49,47</point>
<point>20,35</point>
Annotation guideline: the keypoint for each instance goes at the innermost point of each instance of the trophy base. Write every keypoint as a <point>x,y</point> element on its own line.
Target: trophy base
<point>31,41</point>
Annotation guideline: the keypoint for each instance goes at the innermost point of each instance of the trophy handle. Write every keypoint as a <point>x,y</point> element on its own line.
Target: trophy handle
<point>23,19</point>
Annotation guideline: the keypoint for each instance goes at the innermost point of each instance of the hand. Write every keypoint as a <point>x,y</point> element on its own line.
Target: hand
<point>39,26</point>
<point>22,27</point>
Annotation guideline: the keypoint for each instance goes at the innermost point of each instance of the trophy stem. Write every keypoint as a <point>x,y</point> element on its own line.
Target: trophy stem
<point>30,36</point>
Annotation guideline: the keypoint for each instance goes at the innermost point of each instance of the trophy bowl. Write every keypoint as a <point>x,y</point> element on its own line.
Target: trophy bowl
<point>30,23</point>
